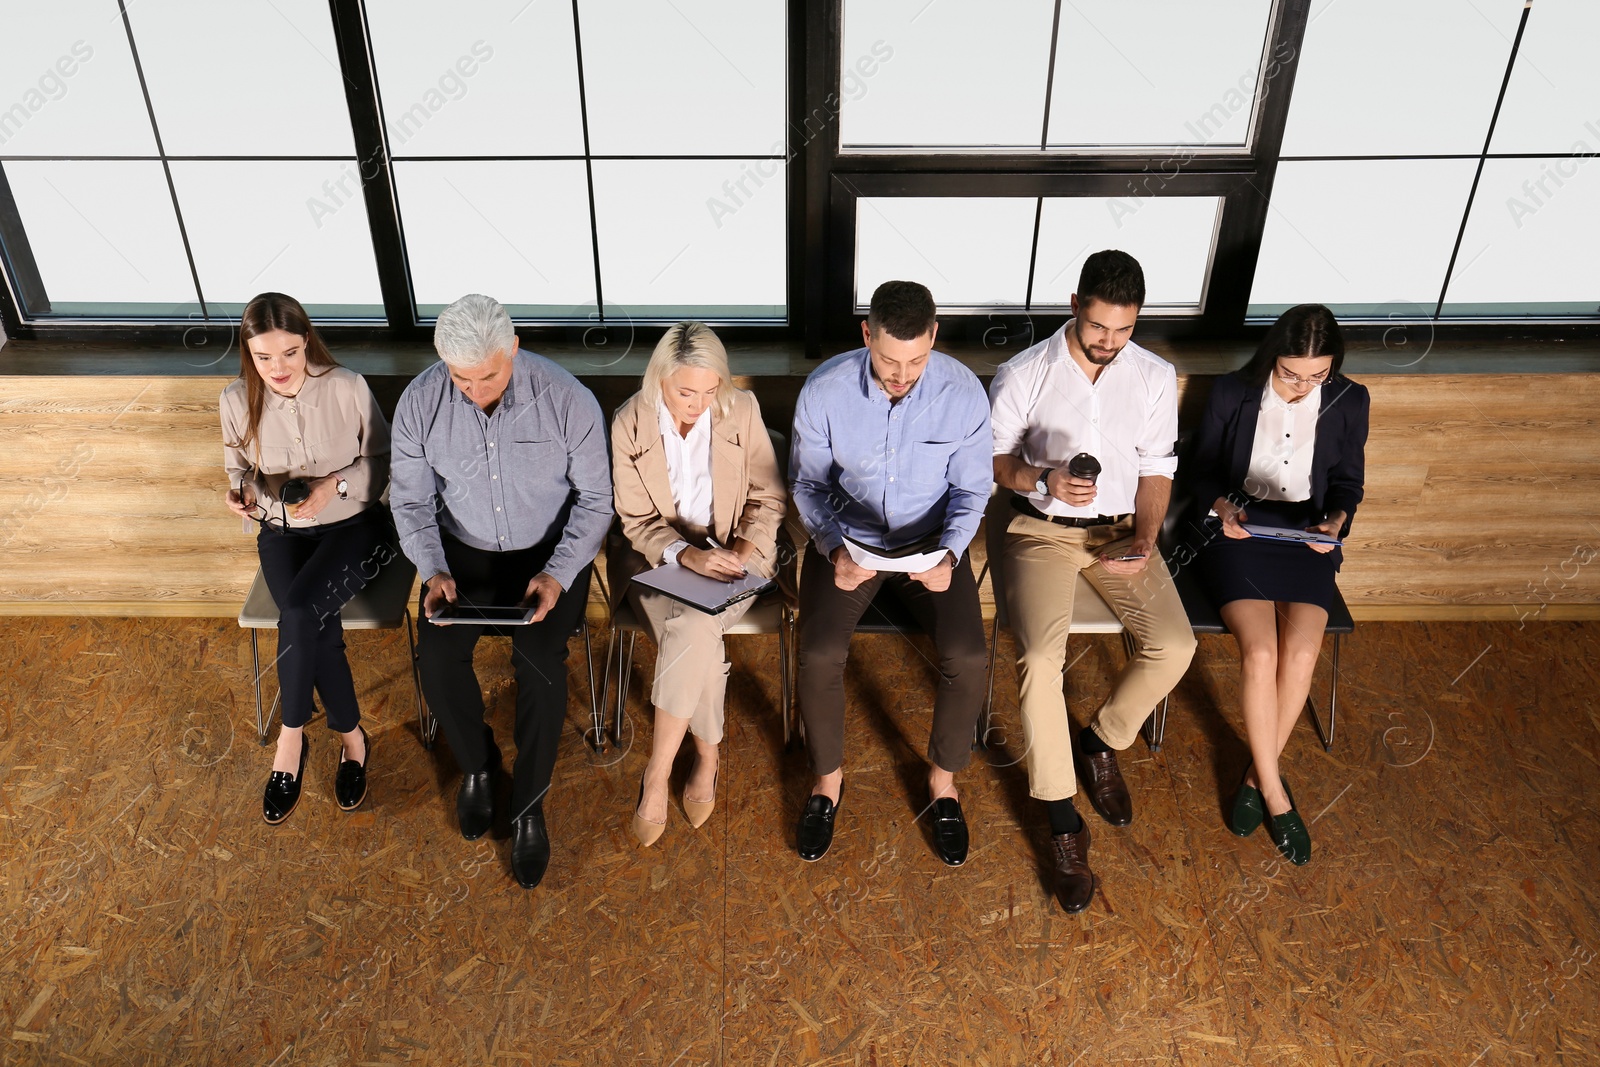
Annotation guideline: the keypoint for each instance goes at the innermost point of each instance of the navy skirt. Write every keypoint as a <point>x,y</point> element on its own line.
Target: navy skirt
<point>1261,569</point>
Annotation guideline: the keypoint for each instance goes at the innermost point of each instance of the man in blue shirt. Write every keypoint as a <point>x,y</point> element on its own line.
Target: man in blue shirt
<point>891,453</point>
<point>501,491</point>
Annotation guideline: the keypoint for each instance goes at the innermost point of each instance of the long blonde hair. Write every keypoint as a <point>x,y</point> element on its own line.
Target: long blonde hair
<point>689,344</point>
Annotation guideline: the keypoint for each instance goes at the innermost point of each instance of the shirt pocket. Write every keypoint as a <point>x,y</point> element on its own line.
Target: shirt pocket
<point>545,457</point>
<point>337,450</point>
<point>930,466</point>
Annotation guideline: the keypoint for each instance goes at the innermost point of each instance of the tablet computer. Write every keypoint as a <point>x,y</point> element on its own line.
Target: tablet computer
<point>1278,533</point>
<point>479,615</point>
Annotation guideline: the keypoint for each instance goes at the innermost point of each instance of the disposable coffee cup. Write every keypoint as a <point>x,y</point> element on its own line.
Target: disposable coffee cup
<point>1084,465</point>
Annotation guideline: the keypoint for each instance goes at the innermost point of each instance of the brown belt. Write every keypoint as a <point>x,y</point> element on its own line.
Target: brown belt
<point>1023,505</point>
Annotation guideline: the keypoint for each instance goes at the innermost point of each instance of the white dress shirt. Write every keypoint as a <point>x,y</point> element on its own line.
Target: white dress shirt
<point>689,471</point>
<point>1286,437</point>
<point>1044,410</point>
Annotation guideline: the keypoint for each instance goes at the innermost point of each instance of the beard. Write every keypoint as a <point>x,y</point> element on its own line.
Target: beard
<point>1099,357</point>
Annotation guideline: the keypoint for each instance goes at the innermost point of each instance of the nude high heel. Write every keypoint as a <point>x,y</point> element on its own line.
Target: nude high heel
<point>646,831</point>
<point>698,811</point>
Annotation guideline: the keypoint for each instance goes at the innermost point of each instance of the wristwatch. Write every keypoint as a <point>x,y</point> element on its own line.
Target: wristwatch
<point>1042,486</point>
<point>344,489</point>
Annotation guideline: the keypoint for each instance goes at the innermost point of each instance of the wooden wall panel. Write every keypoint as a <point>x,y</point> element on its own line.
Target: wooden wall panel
<point>1483,496</point>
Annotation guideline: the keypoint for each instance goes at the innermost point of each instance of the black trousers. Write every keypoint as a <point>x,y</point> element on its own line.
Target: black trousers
<point>313,572</point>
<point>538,657</point>
<point>828,617</point>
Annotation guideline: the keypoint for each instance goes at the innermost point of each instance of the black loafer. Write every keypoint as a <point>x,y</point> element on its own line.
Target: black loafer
<point>815,832</point>
<point>1289,833</point>
<point>475,799</point>
<point>1249,810</point>
<point>949,831</point>
<point>283,791</point>
<point>350,780</point>
<point>530,849</point>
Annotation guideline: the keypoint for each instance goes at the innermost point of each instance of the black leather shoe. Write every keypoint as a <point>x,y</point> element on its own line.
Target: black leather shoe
<point>1074,881</point>
<point>1289,833</point>
<point>475,798</point>
<point>283,791</point>
<point>949,831</point>
<point>350,780</point>
<point>530,848</point>
<point>815,833</point>
<point>1249,810</point>
<point>1107,791</point>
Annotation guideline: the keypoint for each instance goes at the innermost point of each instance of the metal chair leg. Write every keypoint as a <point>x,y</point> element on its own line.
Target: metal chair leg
<point>255,666</point>
<point>598,741</point>
<point>1326,736</point>
<point>625,676</point>
<point>982,738</point>
<point>596,735</point>
<point>1155,727</point>
<point>783,675</point>
<point>427,725</point>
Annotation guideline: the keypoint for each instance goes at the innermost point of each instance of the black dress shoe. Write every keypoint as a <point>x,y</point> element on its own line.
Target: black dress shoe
<point>475,798</point>
<point>350,780</point>
<point>1289,833</point>
<point>1249,810</point>
<point>1107,791</point>
<point>530,848</point>
<point>949,831</point>
<point>1074,881</point>
<point>283,791</point>
<point>815,833</point>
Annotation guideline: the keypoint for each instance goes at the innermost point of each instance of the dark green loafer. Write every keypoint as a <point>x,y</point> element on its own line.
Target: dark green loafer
<point>1249,810</point>
<point>1289,833</point>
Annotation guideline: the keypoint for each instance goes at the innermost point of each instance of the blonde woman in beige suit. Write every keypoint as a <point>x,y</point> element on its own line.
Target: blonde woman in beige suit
<point>696,482</point>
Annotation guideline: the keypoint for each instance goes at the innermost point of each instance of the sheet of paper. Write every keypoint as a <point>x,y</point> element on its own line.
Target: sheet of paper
<point>913,564</point>
<point>710,595</point>
<point>1278,533</point>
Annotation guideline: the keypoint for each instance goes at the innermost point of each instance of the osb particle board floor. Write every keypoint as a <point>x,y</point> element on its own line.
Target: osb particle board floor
<point>1448,916</point>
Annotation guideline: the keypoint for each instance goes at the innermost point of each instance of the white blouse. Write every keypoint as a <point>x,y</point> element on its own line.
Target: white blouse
<point>1286,438</point>
<point>689,471</point>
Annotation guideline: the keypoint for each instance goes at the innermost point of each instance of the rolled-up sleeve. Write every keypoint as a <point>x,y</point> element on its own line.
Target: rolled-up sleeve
<point>414,490</point>
<point>971,474</point>
<point>589,471</point>
<point>811,473</point>
<point>1158,444</point>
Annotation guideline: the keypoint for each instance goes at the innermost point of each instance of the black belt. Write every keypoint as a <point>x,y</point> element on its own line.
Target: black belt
<point>1023,505</point>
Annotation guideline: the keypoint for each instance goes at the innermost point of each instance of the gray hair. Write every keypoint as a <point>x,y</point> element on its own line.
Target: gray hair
<point>689,344</point>
<point>473,329</point>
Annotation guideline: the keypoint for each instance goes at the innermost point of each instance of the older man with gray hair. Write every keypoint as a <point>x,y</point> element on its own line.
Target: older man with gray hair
<point>501,490</point>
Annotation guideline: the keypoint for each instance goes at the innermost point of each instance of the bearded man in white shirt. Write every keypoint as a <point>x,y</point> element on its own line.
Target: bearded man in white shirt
<point>1088,389</point>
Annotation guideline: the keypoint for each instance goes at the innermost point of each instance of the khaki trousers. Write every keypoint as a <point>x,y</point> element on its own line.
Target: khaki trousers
<point>691,660</point>
<point>1039,572</point>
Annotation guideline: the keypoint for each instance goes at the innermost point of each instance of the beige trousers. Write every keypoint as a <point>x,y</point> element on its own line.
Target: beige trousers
<point>691,661</point>
<point>1039,572</point>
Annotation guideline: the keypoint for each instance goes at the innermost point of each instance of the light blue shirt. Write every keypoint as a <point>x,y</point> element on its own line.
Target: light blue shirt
<point>534,470</point>
<point>890,474</point>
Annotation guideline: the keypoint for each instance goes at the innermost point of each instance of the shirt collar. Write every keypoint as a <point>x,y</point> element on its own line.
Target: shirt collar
<point>872,390</point>
<point>310,391</point>
<point>1312,401</point>
<point>508,398</point>
<point>1061,349</point>
<point>669,427</point>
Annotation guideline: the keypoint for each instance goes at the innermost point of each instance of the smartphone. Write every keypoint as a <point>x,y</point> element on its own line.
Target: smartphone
<point>1126,559</point>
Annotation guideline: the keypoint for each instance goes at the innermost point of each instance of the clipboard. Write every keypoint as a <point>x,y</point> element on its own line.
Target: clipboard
<point>710,595</point>
<point>1278,533</point>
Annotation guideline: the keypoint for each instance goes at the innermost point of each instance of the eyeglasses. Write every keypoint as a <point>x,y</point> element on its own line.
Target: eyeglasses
<point>1295,379</point>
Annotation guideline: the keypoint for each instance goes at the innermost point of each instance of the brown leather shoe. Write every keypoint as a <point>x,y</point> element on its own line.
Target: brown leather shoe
<point>1107,791</point>
<point>1074,879</point>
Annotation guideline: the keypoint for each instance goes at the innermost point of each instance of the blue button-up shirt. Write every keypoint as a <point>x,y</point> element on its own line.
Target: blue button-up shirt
<point>890,474</point>
<point>536,468</point>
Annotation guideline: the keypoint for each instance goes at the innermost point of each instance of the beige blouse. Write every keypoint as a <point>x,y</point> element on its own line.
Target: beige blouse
<point>332,425</point>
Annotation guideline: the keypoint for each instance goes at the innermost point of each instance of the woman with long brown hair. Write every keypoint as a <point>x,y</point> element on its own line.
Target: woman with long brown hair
<point>307,455</point>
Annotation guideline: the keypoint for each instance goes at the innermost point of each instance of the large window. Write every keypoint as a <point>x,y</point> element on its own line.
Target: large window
<point>763,164</point>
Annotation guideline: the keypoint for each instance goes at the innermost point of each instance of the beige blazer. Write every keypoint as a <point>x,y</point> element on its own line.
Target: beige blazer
<point>748,497</point>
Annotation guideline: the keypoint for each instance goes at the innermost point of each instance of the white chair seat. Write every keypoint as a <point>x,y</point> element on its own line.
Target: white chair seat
<point>381,604</point>
<point>1090,613</point>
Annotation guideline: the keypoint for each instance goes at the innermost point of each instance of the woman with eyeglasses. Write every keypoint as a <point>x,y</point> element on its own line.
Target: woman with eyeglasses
<point>1280,447</point>
<point>307,455</point>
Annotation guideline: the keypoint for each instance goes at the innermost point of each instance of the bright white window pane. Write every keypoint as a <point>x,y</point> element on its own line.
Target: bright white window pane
<point>685,77</point>
<point>1365,237</point>
<point>1170,236</point>
<point>517,230</point>
<point>243,78</point>
<point>497,78</point>
<point>1157,72</point>
<point>1553,101</point>
<point>1381,78</point>
<point>285,226</point>
<point>104,236</point>
<point>920,74</point>
<point>692,237</point>
<point>969,251</point>
<point>1529,243</point>
<point>67,83</point>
